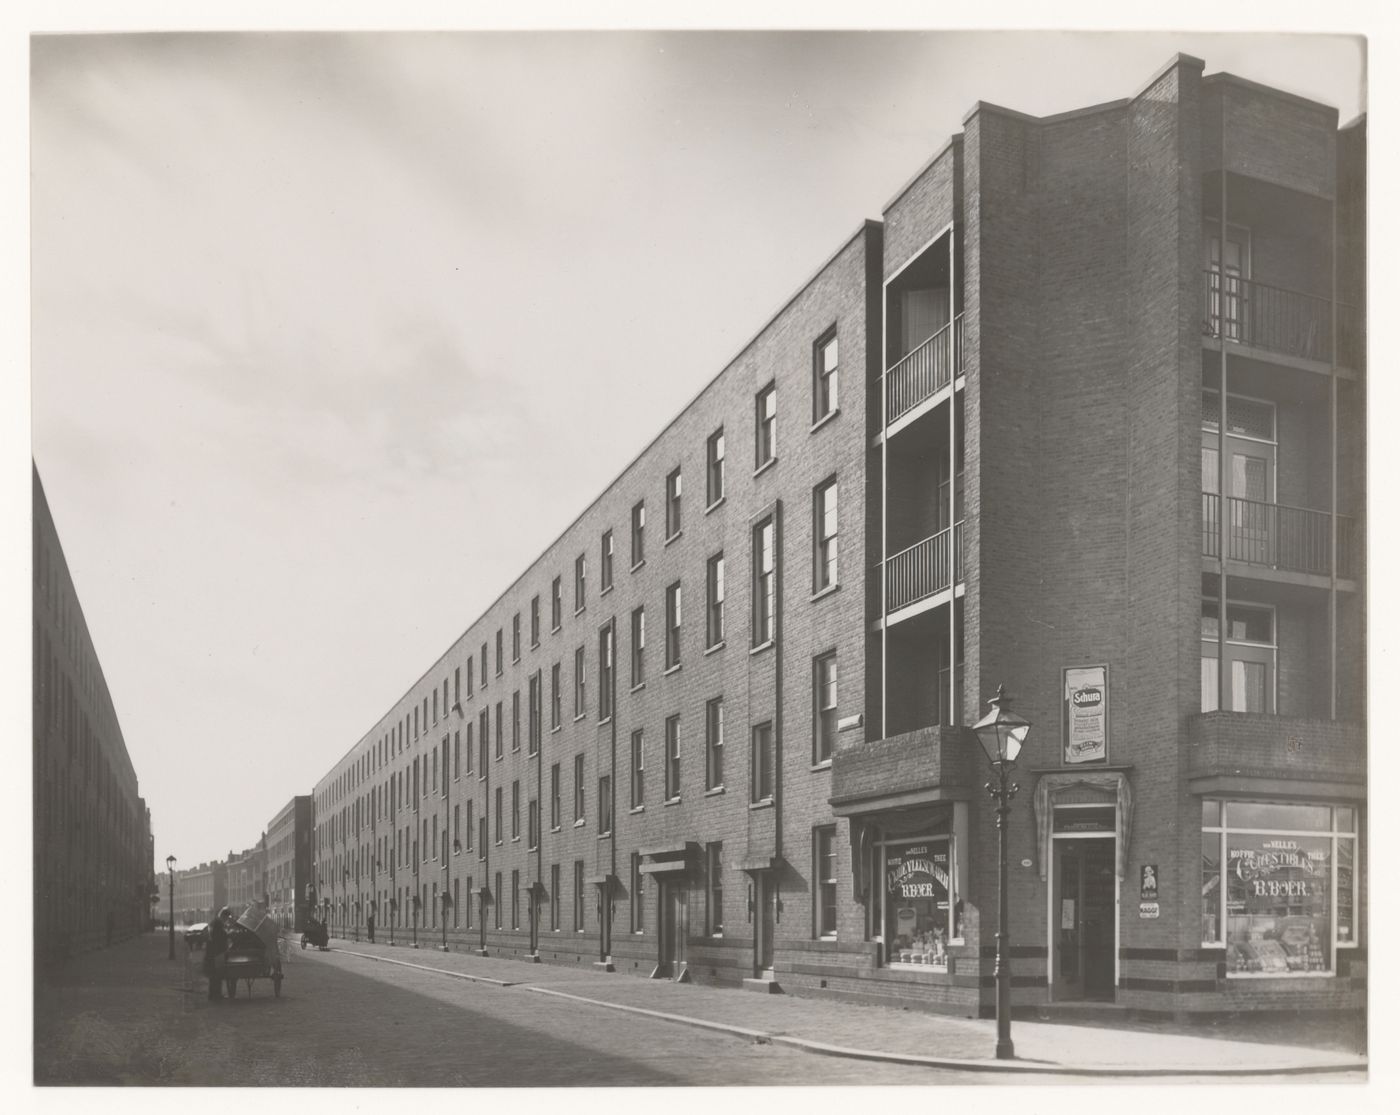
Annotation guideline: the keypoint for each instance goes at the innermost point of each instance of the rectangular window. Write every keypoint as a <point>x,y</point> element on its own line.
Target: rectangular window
<point>554,818</point>
<point>483,832</point>
<point>578,896</point>
<point>484,725</point>
<point>639,528</point>
<point>471,745</point>
<point>471,670</point>
<point>515,638</point>
<point>714,889</point>
<point>765,588</point>
<point>500,900</point>
<point>639,646</point>
<point>515,721</point>
<point>673,625</point>
<point>515,899</point>
<point>824,871</point>
<point>456,699</point>
<point>824,536</point>
<point>534,831</point>
<point>578,789</point>
<point>500,809</point>
<point>714,601</point>
<point>673,758</point>
<point>605,566</point>
<point>515,810</point>
<point>638,895</point>
<point>605,672</point>
<point>714,468</point>
<point>714,744</point>
<point>456,756</point>
<point>484,665</point>
<point>605,804</point>
<point>500,651</point>
<point>580,686</point>
<point>765,426</point>
<point>824,363</point>
<point>471,822</point>
<point>1251,657</point>
<point>580,582</point>
<point>556,698</point>
<point>534,621</point>
<point>556,604</point>
<point>761,776</point>
<point>673,504</point>
<point>536,711</point>
<point>500,729</point>
<point>638,770</point>
<point>824,707</point>
<point>556,896</point>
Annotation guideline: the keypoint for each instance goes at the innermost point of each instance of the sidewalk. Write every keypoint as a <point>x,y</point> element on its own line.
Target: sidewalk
<point>876,1033</point>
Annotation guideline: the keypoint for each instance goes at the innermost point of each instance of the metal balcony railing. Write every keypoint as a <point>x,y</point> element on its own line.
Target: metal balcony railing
<point>927,567</point>
<point>925,371</point>
<point>1293,539</point>
<point>1278,320</point>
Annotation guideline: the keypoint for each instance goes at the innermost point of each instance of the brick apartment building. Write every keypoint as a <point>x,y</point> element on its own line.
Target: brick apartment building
<point>718,730</point>
<point>289,863</point>
<point>93,875</point>
<point>200,892</point>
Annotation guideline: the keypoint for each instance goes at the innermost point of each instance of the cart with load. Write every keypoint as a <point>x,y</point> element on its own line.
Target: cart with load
<point>255,951</point>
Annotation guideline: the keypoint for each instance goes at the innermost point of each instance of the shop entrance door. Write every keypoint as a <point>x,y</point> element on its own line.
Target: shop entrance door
<point>1084,932</point>
<point>671,938</point>
<point>763,924</point>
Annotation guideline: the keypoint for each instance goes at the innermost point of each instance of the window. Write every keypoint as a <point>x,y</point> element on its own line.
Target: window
<point>605,672</point>
<point>765,426</point>
<point>714,744</point>
<point>580,582</point>
<point>515,899</point>
<point>824,871</point>
<point>556,896</point>
<point>515,638</point>
<point>484,831</point>
<point>919,904</point>
<point>499,811</point>
<point>554,797</point>
<point>580,684</point>
<point>456,699</point>
<point>536,711</point>
<point>761,776</point>
<point>714,889</point>
<point>515,721</point>
<point>500,900</point>
<point>765,588</point>
<point>500,648</point>
<point>673,758</point>
<point>639,646</point>
<point>556,604</point>
<point>1250,654</point>
<point>639,527</point>
<point>535,621</point>
<point>638,895</point>
<point>714,468</point>
<point>578,790</point>
<point>578,896</point>
<point>484,724</point>
<point>673,625</point>
<point>824,536</point>
<point>605,565</point>
<point>471,662</point>
<point>824,707</point>
<point>1269,873</point>
<point>556,698</point>
<point>639,796</point>
<point>471,811</point>
<point>714,601</point>
<point>471,760</point>
<point>484,661</point>
<point>605,804</point>
<point>673,504</point>
<point>534,831</point>
<point>500,729</point>
<point>824,396</point>
<point>515,810</point>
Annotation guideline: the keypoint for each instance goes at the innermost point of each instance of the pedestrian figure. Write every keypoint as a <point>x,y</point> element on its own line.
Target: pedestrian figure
<point>369,925</point>
<point>214,951</point>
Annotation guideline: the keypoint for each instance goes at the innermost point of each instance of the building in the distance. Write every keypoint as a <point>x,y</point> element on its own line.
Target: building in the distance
<point>1082,415</point>
<point>246,876</point>
<point>200,893</point>
<point>91,828</point>
<point>289,889</point>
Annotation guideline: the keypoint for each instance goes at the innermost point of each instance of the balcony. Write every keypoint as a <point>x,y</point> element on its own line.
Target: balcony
<point>1228,747</point>
<point>925,568</point>
<point>1274,319</point>
<point>1291,539</point>
<point>926,764</point>
<point>925,371</point>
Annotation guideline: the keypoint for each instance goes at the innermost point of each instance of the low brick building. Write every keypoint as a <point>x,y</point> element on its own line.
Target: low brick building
<point>1090,376</point>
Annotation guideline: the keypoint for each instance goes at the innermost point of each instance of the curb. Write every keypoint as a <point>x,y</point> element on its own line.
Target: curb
<point>824,1049</point>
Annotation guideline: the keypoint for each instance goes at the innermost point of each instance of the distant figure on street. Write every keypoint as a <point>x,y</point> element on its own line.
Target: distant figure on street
<point>214,950</point>
<point>369,925</point>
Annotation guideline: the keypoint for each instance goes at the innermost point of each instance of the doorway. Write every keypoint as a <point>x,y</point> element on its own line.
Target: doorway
<point>1084,933</point>
<point>763,924</point>
<point>674,924</point>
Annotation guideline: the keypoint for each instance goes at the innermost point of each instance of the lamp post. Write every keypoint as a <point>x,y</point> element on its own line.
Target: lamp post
<point>170,870</point>
<point>1001,734</point>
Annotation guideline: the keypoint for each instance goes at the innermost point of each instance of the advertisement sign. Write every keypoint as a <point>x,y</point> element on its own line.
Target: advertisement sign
<point>1148,889</point>
<point>1149,910</point>
<point>1084,723</point>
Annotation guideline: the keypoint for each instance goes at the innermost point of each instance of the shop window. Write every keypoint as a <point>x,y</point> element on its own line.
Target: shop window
<point>1278,886</point>
<point>920,912</point>
<point>824,869</point>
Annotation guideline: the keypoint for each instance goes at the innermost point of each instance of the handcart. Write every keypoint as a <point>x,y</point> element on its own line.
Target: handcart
<point>255,951</point>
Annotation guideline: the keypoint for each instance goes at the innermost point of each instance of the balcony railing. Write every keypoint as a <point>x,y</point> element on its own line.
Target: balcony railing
<point>1293,539</point>
<point>925,568</point>
<point>925,371</point>
<point>1278,320</point>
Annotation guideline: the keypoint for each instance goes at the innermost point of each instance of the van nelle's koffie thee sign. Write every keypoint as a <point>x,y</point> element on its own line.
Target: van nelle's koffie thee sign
<point>920,871</point>
<point>1084,724</point>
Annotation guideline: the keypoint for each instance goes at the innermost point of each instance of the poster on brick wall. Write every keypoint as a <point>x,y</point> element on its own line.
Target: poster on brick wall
<point>1084,722</point>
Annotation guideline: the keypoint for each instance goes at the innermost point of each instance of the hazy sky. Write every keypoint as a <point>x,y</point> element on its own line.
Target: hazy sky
<point>333,334</point>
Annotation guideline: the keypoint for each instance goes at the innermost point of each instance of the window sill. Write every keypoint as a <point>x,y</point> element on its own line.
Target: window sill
<point>605,720</point>
<point>605,591</point>
<point>579,716</point>
<point>556,728</point>
<point>578,824</point>
<point>825,418</point>
<point>671,538</point>
<point>534,645</point>
<point>717,646</point>
<point>672,801</point>
<point>637,565</point>
<point>825,764</point>
<point>638,809</point>
<point>831,588</point>
<point>717,503</point>
<point>515,660</point>
<point>714,791</point>
<point>515,840</point>
<point>499,843</point>
<point>558,627</point>
<point>761,647</point>
<point>555,828</point>
<point>766,803</point>
<point>605,835</point>
<point>638,687</point>
<point>580,610</point>
<point>671,670</point>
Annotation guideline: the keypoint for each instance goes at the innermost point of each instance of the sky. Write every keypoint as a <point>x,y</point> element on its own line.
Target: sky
<point>332,334</point>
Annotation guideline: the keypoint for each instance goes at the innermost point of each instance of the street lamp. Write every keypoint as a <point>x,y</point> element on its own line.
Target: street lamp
<point>170,870</point>
<point>1001,734</point>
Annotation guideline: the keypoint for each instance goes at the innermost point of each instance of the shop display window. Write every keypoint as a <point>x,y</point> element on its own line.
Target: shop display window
<point>921,912</point>
<point>1278,888</point>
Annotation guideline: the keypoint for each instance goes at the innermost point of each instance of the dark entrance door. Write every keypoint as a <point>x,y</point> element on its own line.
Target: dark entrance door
<point>763,924</point>
<point>672,928</point>
<point>1085,919</point>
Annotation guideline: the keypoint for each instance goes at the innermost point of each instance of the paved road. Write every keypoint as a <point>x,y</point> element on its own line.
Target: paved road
<point>349,1022</point>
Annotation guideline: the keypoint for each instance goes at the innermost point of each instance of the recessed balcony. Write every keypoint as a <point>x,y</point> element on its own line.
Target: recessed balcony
<point>1275,319</point>
<point>930,566</point>
<point>925,371</point>
<point>1275,536</point>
